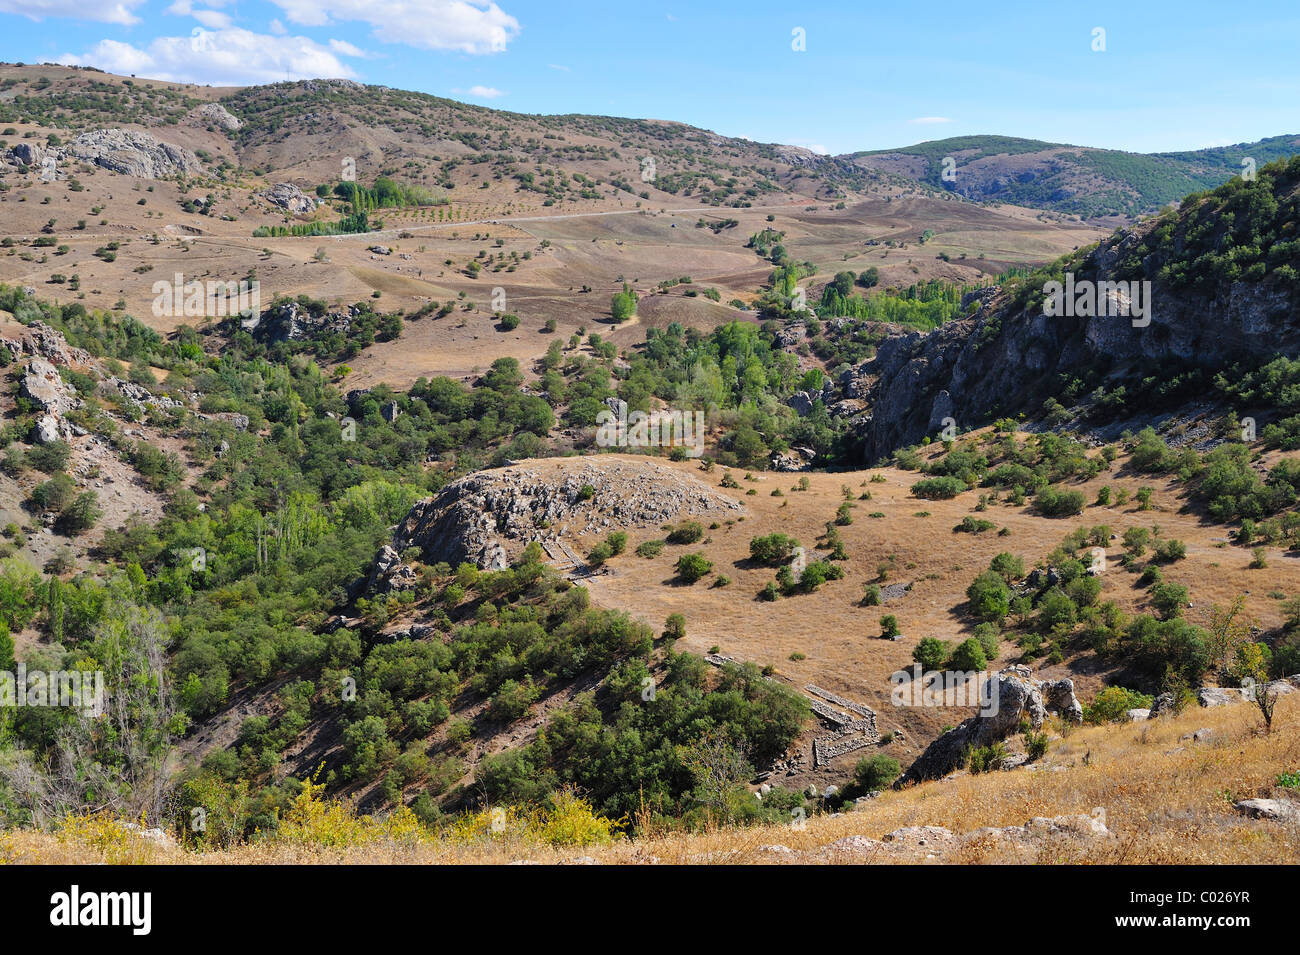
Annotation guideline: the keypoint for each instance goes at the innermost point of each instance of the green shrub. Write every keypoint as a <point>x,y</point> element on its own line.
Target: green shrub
<point>938,488</point>
<point>873,773</point>
<point>691,567</point>
<point>969,655</point>
<point>990,597</point>
<point>1008,566</point>
<point>1052,502</point>
<point>985,759</point>
<point>1113,702</point>
<point>687,532</point>
<point>1169,599</point>
<point>772,548</point>
<point>990,639</point>
<point>932,653</point>
<point>1168,551</point>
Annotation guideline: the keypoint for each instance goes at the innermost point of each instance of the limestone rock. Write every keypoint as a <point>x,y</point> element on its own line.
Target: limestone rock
<point>290,198</point>
<point>1281,810</point>
<point>27,154</point>
<point>485,518</point>
<point>133,153</point>
<point>1019,697</point>
<point>217,115</point>
<point>46,429</point>
<point>43,385</point>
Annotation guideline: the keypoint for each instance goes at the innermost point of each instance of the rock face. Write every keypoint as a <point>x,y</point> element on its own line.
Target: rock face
<point>290,198</point>
<point>43,385</point>
<point>217,115</point>
<point>485,516</point>
<point>133,153</point>
<point>1019,696</point>
<point>1003,358</point>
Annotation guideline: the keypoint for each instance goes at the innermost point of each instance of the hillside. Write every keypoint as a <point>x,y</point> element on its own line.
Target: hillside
<point>1136,796</point>
<point>363,546</point>
<point>1078,180</point>
<point>554,212</point>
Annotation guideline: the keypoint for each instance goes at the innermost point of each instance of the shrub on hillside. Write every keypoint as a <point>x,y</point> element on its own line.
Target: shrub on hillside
<point>938,488</point>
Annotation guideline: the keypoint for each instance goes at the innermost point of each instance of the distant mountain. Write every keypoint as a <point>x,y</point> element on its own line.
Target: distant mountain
<point>1076,179</point>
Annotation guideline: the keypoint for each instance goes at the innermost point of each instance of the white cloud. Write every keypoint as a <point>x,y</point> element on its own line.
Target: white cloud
<point>482,92</point>
<point>469,26</point>
<point>557,66</point>
<point>344,48</point>
<point>277,28</point>
<point>929,120</point>
<point>183,8</point>
<point>232,57</point>
<point>212,19</point>
<point>101,11</point>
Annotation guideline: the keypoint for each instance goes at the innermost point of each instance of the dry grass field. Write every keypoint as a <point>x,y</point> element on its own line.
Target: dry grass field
<point>1166,800</point>
<point>840,637</point>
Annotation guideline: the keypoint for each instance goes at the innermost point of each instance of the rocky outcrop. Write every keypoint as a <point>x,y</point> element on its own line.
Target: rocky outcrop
<point>139,395</point>
<point>918,843</point>
<point>1019,697</point>
<point>46,430</point>
<point>43,386</point>
<point>289,198</point>
<point>390,573</point>
<point>214,114</point>
<point>26,154</point>
<point>489,515</point>
<point>41,341</point>
<point>291,321</point>
<point>132,153</point>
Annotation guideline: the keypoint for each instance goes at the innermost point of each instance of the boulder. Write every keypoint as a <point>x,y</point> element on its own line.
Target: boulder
<point>46,429</point>
<point>1217,696</point>
<point>289,198</point>
<point>1163,705</point>
<point>1058,695</point>
<point>27,154</point>
<point>801,402</point>
<point>1280,810</point>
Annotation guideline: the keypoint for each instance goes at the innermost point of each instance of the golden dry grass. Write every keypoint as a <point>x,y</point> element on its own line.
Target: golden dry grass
<point>840,638</point>
<point>1168,801</point>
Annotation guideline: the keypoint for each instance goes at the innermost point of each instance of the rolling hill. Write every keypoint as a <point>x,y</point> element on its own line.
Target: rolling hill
<point>1079,180</point>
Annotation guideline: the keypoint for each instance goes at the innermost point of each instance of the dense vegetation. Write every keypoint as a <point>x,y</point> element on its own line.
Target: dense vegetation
<point>241,574</point>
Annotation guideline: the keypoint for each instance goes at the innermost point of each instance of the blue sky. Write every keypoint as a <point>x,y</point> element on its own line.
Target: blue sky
<point>1171,76</point>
